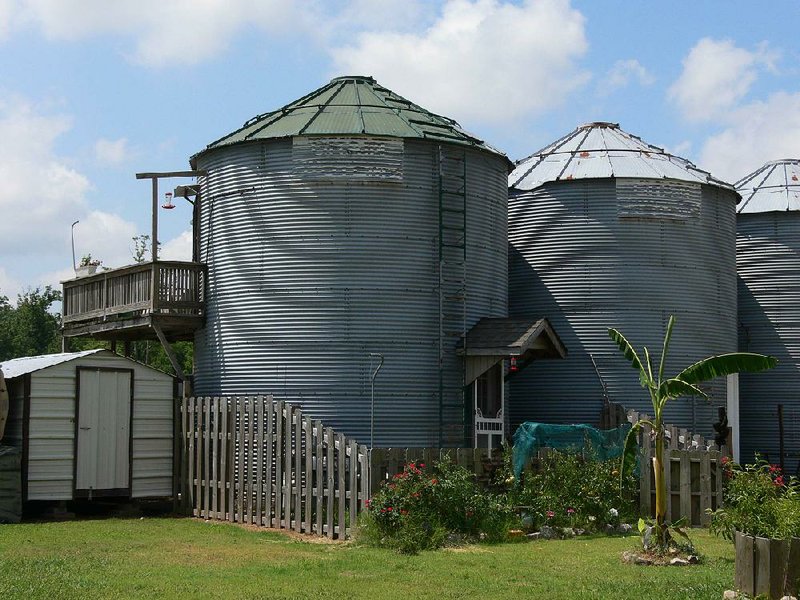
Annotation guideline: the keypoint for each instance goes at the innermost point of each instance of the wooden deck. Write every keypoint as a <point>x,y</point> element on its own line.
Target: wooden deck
<point>125,303</point>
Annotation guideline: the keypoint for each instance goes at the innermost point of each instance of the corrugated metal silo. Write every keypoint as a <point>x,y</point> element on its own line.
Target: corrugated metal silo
<point>606,230</point>
<point>334,228</point>
<point>768,265</point>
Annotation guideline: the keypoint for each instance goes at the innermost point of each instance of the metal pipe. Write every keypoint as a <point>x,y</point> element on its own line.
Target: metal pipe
<point>372,398</point>
<point>154,239</point>
<point>72,235</point>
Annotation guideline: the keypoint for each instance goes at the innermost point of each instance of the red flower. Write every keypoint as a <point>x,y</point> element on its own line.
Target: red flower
<point>779,480</point>
<point>570,511</point>
<point>389,509</point>
<point>725,460</point>
<point>421,465</point>
<point>550,514</point>
<point>412,465</point>
<point>434,481</point>
<point>774,469</point>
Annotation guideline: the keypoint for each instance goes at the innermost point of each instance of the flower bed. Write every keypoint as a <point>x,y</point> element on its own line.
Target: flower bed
<point>762,516</point>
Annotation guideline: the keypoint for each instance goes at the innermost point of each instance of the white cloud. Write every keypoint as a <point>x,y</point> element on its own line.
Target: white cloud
<point>621,74</point>
<point>483,60</point>
<point>107,237</point>
<point>41,194</point>
<point>178,248</point>
<point>9,286</point>
<point>111,152</point>
<point>716,76</point>
<point>756,133</point>
<point>7,11</point>
<point>164,32</point>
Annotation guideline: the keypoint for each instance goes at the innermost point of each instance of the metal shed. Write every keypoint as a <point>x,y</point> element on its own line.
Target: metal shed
<point>606,230</point>
<point>90,424</point>
<point>768,267</point>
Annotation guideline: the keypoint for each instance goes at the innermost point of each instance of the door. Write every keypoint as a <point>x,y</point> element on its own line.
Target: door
<point>103,433</point>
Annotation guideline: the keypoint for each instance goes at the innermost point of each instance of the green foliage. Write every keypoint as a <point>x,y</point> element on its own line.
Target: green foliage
<point>29,328</point>
<point>422,506</point>
<point>570,490</point>
<point>662,390</point>
<point>759,500</point>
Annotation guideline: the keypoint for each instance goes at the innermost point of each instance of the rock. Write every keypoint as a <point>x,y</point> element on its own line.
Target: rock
<point>534,536</point>
<point>548,532</point>
<point>647,538</point>
<point>454,539</point>
<point>679,562</point>
<point>693,559</point>
<point>580,531</point>
<point>636,559</point>
<point>609,529</point>
<point>788,598</point>
<point>527,521</point>
<point>730,595</point>
<point>624,528</point>
<point>568,532</point>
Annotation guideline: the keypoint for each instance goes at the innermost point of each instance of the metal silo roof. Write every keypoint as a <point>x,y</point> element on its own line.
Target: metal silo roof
<point>352,105</point>
<point>773,187</point>
<point>599,150</point>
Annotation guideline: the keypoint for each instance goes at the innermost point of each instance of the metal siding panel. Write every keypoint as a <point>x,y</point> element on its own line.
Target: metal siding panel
<point>575,262</point>
<point>306,278</point>
<point>768,264</point>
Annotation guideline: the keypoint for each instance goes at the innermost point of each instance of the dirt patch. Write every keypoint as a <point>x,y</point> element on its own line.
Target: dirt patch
<point>290,534</point>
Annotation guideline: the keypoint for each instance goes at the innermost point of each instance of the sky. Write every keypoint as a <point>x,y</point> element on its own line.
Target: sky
<point>94,91</point>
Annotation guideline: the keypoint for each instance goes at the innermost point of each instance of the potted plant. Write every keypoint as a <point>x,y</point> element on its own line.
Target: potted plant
<point>762,517</point>
<point>87,266</point>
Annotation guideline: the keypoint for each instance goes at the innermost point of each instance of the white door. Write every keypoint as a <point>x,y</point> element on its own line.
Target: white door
<point>103,433</point>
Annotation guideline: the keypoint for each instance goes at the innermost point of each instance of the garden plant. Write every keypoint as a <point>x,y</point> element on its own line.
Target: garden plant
<point>663,389</point>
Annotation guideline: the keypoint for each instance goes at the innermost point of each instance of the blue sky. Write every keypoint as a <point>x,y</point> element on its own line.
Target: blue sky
<point>93,91</point>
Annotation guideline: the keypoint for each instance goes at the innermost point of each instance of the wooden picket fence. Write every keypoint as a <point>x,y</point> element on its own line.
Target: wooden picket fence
<point>259,461</point>
<point>694,474</point>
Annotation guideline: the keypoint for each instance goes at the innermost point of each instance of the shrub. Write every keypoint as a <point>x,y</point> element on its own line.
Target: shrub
<point>571,490</point>
<point>422,506</point>
<point>760,501</point>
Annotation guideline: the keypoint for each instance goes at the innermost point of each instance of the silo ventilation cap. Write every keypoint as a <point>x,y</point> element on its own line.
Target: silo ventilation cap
<point>362,78</point>
<point>600,124</point>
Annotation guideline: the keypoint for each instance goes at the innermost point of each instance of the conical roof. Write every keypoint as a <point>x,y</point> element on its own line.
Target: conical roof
<point>352,105</point>
<point>773,187</point>
<point>598,150</point>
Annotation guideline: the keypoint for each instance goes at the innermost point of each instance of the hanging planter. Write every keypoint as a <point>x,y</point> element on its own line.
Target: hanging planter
<point>87,266</point>
<point>766,566</point>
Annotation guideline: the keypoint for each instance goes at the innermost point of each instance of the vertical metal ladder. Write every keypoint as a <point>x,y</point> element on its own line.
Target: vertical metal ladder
<point>452,290</point>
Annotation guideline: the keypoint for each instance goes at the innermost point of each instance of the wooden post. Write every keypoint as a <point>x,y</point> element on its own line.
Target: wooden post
<point>298,471</point>
<point>269,460</point>
<point>319,476</point>
<point>260,441</point>
<point>341,466</point>
<point>331,449</point>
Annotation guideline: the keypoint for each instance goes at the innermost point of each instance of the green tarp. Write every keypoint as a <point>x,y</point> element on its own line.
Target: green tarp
<point>530,437</point>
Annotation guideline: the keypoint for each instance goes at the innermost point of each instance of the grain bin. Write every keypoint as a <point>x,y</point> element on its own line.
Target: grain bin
<point>768,266</point>
<point>606,230</point>
<point>350,222</point>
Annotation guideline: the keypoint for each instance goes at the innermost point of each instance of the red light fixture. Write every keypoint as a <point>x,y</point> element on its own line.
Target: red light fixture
<point>513,366</point>
<point>168,204</point>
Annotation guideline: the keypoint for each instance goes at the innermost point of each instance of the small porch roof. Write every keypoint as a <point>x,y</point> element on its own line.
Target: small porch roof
<point>493,339</point>
<point>514,336</point>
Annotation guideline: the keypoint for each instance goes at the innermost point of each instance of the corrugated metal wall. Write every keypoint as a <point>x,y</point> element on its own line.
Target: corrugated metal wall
<point>307,276</point>
<point>579,259</point>
<point>51,443</point>
<point>768,265</point>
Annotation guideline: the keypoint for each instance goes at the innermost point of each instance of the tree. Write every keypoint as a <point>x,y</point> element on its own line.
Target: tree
<point>662,390</point>
<point>30,328</point>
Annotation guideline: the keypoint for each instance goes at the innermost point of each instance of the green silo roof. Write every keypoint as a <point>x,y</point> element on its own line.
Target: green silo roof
<point>352,105</point>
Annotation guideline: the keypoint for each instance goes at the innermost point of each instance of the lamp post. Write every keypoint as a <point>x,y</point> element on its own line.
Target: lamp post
<point>372,398</point>
<point>72,236</point>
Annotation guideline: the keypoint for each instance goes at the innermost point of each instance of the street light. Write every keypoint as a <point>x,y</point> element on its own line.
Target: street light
<point>72,235</point>
<point>372,400</point>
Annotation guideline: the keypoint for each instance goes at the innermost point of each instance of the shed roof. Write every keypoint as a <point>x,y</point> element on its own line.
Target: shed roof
<point>773,187</point>
<point>352,105</point>
<point>28,364</point>
<point>599,150</point>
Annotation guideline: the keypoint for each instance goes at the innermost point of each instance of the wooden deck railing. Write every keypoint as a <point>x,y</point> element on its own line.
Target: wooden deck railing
<point>163,287</point>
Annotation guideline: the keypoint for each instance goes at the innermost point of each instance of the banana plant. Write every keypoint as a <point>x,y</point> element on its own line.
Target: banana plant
<point>663,389</point>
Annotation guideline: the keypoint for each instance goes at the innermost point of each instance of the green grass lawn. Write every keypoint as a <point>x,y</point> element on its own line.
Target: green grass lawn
<point>174,558</point>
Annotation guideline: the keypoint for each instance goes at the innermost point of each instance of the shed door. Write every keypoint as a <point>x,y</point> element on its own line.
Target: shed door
<point>103,459</point>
